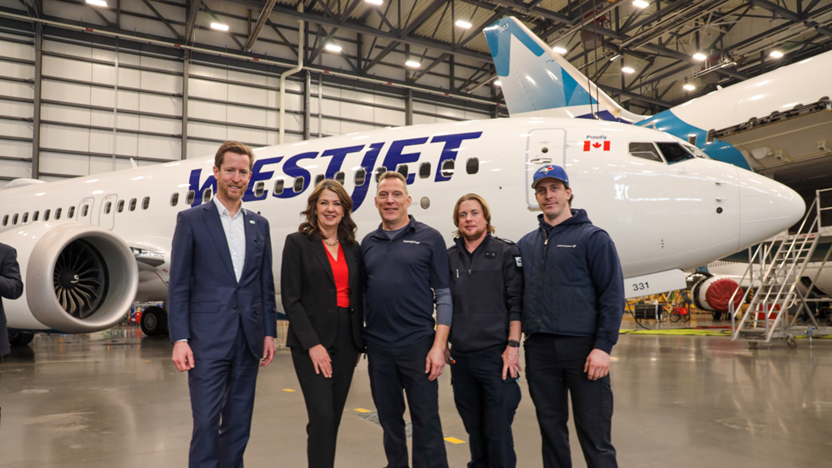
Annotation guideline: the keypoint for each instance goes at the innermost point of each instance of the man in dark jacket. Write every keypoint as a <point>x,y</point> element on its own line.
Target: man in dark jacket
<point>487,293</point>
<point>11,287</point>
<point>572,308</point>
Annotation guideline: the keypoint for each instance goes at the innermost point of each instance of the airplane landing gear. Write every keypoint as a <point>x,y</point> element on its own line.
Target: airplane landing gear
<point>20,338</point>
<point>154,321</point>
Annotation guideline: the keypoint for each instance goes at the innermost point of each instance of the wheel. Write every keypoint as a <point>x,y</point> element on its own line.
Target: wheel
<point>675,316</point>
<point>717,315</point>
<point>790,341</point>
<point>20,338</point>
<point>752,345</point>
<point>154,321</point>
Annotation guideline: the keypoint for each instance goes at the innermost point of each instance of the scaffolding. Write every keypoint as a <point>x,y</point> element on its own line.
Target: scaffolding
<point>775,282</point>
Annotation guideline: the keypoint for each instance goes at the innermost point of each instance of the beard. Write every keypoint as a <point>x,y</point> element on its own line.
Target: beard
<point>472,236</point>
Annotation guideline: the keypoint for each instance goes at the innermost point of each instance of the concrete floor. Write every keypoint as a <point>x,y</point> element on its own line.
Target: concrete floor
<point>114,399</point>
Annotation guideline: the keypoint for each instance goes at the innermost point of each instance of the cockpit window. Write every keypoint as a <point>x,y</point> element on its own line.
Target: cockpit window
<point>645,151</point>
<point>696,152</point>
<point>674,152</point>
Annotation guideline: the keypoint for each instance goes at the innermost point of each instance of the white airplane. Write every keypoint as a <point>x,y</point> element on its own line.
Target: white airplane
<point>761,123</point>
<point>91,246</point>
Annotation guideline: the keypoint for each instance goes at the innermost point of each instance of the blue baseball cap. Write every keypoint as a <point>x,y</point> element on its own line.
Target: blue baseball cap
<point>550,171</point>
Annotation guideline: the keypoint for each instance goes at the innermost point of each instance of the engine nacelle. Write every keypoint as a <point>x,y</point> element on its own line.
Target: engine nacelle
<point>78,278</point>
<point>714,294</point>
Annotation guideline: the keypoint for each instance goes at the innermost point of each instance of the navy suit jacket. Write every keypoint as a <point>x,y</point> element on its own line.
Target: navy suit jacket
<point>11,287</point>
<point>206,304</point>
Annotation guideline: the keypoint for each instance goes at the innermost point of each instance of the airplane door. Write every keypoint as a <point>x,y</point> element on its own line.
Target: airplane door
<point>85,210</point>
<point>107,216</point>
<point>543,146</point>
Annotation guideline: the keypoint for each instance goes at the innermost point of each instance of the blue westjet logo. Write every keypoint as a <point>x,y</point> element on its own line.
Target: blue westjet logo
<point>397,153</point>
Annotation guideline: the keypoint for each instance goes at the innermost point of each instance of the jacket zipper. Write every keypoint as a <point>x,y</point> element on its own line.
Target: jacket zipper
<point>542,281</point>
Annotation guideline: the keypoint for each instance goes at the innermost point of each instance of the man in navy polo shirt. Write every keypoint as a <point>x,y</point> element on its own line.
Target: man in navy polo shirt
<point>406,273</point>
<point>572,308</point>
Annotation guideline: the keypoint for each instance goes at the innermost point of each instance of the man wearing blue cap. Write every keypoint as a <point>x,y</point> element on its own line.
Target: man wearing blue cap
<point>572,307</point>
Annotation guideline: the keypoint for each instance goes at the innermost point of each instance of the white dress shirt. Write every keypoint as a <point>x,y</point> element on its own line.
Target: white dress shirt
<point>235,235</point>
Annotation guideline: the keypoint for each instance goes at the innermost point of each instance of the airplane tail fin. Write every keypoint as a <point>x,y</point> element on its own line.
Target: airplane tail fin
<point>538,82</point>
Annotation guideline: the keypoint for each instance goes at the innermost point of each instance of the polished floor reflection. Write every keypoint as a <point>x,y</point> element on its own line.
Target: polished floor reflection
<point>114,399</point>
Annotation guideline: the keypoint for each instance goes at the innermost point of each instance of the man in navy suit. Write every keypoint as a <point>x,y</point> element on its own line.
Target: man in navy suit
<point>221,304</point>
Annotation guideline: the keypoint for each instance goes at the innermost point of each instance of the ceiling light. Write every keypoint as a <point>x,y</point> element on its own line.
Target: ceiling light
<point>627,70</point>
<point>100,3</point>
<point>463,24</point>
<point>219,26</point>
<point>375,2</point>
<point>333,47</point>
<point>641,4</point>
<point>776,54</point>
<point>413,64</point>
<point>699,56</point>
<point>558,50</point>
<point>689,87</point>
<point>615,57</point>
<point>497,83</point>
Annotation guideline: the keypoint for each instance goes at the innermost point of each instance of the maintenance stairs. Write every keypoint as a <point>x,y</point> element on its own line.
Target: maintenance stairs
<point>775,280</point>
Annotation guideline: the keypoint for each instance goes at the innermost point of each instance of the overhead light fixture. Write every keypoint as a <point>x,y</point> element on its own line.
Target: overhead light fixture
<point>640,4</point>
<point>375,2</point>
<point>558,50</point>
<point>463,24</point>
<point>615,57</point>
<point>219,26</point>
<point>689,87</point>
<point>498,83</point>
<point>413,64</point>
<point>776,54</point>
<point>333,47</point>
<point>699,56</point>
<point>627,70</point>
<point>100,3</point>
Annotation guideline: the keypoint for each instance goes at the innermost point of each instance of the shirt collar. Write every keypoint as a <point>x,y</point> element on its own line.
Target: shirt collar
<point>224,211</point>
<point>380,233</point>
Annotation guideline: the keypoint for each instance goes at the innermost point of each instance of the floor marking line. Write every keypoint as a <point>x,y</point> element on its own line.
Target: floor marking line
<point>454,440</point>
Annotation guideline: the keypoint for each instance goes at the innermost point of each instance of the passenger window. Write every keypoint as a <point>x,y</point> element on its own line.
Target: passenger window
<point>424,170</point>
<point>674,152</point>
<point>340,177</point>
<point>278,186</point>
<point>360,177</point>
<point>191,196</point>
<point>645,151</point>
<point>120,206</point>
<point>298,187</point>
<point>14,219</point>
<point>58,213</point>
<point>318,179</point>
<point>25,218</point>
<point>207,195</point>
<point>46,215</point>
<point>472,166</point>
<point>381,170</point>
<point>403,170</point>
<point>107,207</point>
<point>85,210</point>
<point>71,213</point>
<point>132,205</point>
<point>174,199</point>
<point>5,220</point>
<point>448,168</point>
<point>146,203</point>
<point>259,188</point>
<point>35,216</point>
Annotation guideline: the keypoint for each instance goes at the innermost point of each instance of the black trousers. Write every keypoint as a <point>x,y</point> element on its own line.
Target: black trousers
<point>325,397</point>
<point>486,404</point>
<point>393,370</point>
<point>554,369</point>
<point>222,402</point>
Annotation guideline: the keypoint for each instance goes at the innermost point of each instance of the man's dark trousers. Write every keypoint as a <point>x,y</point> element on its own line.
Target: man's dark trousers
<point>222,400</point>
<point>486,404</point>
<point>394,369</point>
<point>555,368</point>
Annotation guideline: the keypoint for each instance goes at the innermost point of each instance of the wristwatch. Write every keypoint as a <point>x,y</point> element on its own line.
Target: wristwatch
<point>513,344</point>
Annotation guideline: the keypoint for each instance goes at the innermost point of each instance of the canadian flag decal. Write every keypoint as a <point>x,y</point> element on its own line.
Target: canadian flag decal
<point>596,145</point>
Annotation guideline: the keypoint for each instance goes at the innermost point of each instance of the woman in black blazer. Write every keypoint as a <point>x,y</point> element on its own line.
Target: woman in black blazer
<point>322,296</point>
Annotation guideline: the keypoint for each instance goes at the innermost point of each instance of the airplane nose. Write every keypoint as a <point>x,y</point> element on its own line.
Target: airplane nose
<point>767,207</point>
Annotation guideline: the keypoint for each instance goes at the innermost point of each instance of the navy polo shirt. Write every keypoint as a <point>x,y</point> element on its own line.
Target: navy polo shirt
<point>400,276</point>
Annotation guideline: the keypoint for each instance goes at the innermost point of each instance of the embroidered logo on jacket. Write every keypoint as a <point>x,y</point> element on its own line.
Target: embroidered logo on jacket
<point>411,242</point>
<point>567,246</point>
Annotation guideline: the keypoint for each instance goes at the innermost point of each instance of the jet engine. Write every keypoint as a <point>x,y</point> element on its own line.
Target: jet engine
<point>713,293</point>
<point>78,278</point>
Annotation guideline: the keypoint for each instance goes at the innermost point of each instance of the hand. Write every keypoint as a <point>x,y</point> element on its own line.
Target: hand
<point>511,362</point>
<point>447,355</point>
<point>268,351</point>
<point>321,361</point>
<point>597,365</point>
<point>435,363</point>
<point>183,357</point>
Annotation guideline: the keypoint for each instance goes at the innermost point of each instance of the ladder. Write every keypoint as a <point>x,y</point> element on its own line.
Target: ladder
<point>773,274</point>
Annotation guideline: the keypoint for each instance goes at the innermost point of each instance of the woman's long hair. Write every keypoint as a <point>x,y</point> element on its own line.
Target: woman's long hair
<point>346,228</point>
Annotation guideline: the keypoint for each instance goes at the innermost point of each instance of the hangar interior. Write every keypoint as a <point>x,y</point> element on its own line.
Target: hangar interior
<point>93,86</point>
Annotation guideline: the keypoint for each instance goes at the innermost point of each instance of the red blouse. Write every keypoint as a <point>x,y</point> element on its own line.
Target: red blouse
<point>342,276</point>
